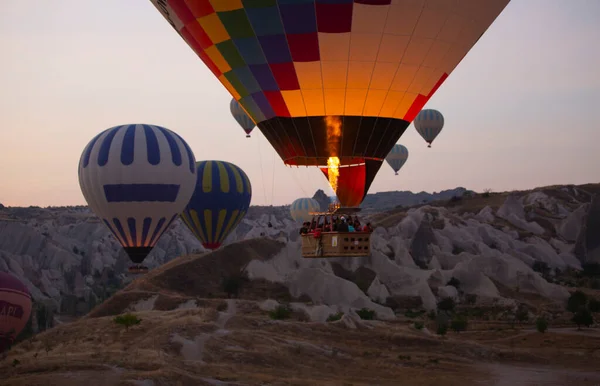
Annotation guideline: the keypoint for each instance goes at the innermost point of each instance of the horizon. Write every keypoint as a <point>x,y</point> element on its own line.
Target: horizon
<point>331,197</point>
<point>531,79</point>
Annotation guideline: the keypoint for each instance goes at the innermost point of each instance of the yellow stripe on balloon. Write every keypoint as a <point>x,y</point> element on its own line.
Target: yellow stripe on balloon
<point>223,177</point>
<point>231,221</point>
<point>220,221</point>
<point>249,187</point>
<point>208,222</point>
<point>238,180</point>
<point>207,177</point>
<point>196,220</point>
<point>191,226</point>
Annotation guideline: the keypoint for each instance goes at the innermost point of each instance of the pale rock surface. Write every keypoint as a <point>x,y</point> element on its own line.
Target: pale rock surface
<point>62,253</point>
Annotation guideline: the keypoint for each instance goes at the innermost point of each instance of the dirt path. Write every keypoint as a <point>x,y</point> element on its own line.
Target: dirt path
<point>594,332</point>
<point>509,375</point>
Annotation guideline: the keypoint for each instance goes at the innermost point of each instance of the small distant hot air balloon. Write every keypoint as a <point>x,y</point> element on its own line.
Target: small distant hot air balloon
<point>429,123</point>
<point>301,208</point>
<point>15,309</point>
<point>397,157</point>
<point>241,117</point>
<point>137,178</point>
<point>219,203</point>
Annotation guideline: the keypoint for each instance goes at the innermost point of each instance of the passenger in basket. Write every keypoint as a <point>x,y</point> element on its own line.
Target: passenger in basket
<point>343,227</point>
<point>304,229</point>
<point>368,228</point>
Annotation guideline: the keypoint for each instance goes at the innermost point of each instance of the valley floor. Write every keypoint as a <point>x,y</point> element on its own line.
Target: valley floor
<point>241,345</point>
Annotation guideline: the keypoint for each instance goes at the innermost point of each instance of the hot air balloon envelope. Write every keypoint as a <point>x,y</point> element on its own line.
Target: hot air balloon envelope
<point>137,179</point>
<point>429,124</point>
<point>241,117</point>
<point>15,308</point>
<point>221,200</point>
<point>332,83</point>
<point>302,207</point>
<point>397,157</point>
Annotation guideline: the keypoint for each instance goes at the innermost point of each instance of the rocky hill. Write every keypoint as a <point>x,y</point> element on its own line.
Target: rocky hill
<point>216,319</point>
<point>482,245</point>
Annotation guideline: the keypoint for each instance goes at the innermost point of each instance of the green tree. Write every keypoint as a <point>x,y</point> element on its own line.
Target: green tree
<point>459,323</point>
<point>446,304</point>
<point>522,315</point>
<point>127,320</point>
<point>541,324</point>
<point>577,300</point>
<point>583,317</point>
<point>594,305</point>
<point>442,329</point>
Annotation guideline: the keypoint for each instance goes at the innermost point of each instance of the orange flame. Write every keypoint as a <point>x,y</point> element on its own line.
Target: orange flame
<point>334,134</point>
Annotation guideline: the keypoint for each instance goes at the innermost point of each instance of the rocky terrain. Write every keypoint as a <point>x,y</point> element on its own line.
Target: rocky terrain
<point>70,261</point>
<point>206,319</point>
<point>256,305</point>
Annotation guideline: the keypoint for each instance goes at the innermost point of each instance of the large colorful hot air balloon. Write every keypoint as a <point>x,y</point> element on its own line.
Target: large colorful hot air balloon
<point>220,202</point>
<point>137,179</point>
<point>429,123</point>
<point>241,117</point>
<point>329,83</point>
<point>301,208</point>
<point>397,157</point>
<point>15,309</point>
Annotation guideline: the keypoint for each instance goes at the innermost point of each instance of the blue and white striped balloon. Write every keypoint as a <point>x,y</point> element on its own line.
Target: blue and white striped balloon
<point>301,208</point>
<point>429,123</point>
<point>241,117</point>
<point>137,179</point>
<point>397,157</point>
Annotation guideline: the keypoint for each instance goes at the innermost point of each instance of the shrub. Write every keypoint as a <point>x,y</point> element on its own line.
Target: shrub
<point>541,324</point>
<point>454,282</point>
<point>442,329</point>
<point>522,315</point>
<point>577,300</point>
<point>594,305</point>
<point>419,325</point>
<point>591,269</point>
<point>127,320</point>
<point>233,284</point>
<point>459,323</point>
<point>281,312</point>
<point>541,267</point>
<point>471,299</point>
<point>222,307</point>
<point>413,314</point>
<point>335,317</point>
<point>446,304</point>
<point>366,314</point>
<point>583,317</point>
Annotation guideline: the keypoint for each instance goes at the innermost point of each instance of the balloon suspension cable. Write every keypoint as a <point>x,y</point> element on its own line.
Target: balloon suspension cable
<point>262,171</point>
<point>273,179</point>
<point>296,180</point>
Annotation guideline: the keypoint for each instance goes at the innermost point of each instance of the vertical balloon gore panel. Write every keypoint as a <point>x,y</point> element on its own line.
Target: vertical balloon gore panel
<point>353,182</point>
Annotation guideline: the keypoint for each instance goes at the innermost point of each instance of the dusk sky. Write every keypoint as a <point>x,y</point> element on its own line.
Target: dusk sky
<point>520,109</point>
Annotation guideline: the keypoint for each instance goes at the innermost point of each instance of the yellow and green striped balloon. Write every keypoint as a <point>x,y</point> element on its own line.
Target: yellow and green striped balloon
<point>220,201</point>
